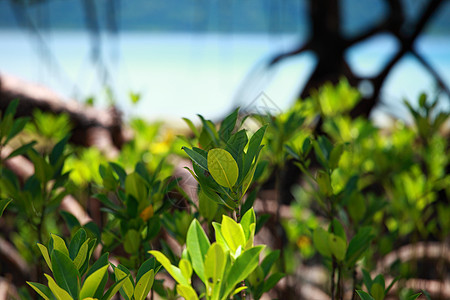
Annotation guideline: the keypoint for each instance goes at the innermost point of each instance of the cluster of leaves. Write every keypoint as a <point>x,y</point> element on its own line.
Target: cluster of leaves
<point>221,265</point>
<point>363,192</point>
<point>222,168</point>
<point>75,279</point>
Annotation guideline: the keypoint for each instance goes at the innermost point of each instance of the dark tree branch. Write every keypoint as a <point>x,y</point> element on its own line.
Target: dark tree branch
<point>432,71</point>
<point>365,107</point>
<point>279,57</point>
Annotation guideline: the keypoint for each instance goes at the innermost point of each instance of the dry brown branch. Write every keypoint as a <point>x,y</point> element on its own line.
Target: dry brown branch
<point>88,122</point>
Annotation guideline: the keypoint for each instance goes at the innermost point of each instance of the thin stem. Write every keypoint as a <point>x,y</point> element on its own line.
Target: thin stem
<point>354,284</point>
<point>339,283</point>
<point>333,270</point>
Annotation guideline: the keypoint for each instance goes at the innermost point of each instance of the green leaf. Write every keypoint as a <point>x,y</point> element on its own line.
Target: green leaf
<point>59,293</point>
<point>75,244</point>
<point>58,150</point>
<point>127,287</point>
<point>12,108</point>
<point>207,206</point>
<point>337,246</point>
<point>253,148</point>
<point>324,182</point>
<point>359,243</point>
<point>186,269</point>
<point>93,285</point>
<point>22,149</point>
<point>42,290</point>
<point>364,296</point>
<point>272,281</point>
<point>132,241</point>
<point>3,204</point>
<point>242,267</point>
<point>233,234</point>
<point>186,292</point>
<point>135,186</point>
<point>119,171</point>
<point>414,297</point>
<point>173,271</point>
<point>228,125</point>
<point>197,158</point>
<point>377,291</point>
<point>65,273</point>
<point>223,167</point>
<point>269,260</point>
<point>114,289</point>
<point>338,229</point>
<point>99,263</point>
<point>335,156</point>
<point>356,207</point>
<point>191,126</point>
<point>71,221</point>
<point>144,285</point>
<point>197,244</point>
<point>82,255</point>
<point>320,239</point>
<point>145,268</point>
<point>367,279</point>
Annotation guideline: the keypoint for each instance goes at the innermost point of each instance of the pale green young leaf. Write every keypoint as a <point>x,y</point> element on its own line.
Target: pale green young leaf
<point>197,244</point>
<point>42,290</point>
<point>233,233</point>
<point>144,285</point>
<point>127,287</point>
<point>92,284</point>
<point>187,292</point>
<point>82,255</point>
<point>3,204</point>
<point>250,239</point>
<point>186,269</point>
<point>59,293</point>
<point>239,289</point>
<point>248,218</point>
<point>219,236</point>
<point>215,262</point>
<point>148,265</point>
<point>171,269</point>
<point>223,167</point>
<point>46,256</point>
<point>59,244</point>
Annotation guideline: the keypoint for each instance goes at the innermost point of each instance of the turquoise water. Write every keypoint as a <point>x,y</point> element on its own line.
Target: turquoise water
<point>180,75</point>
